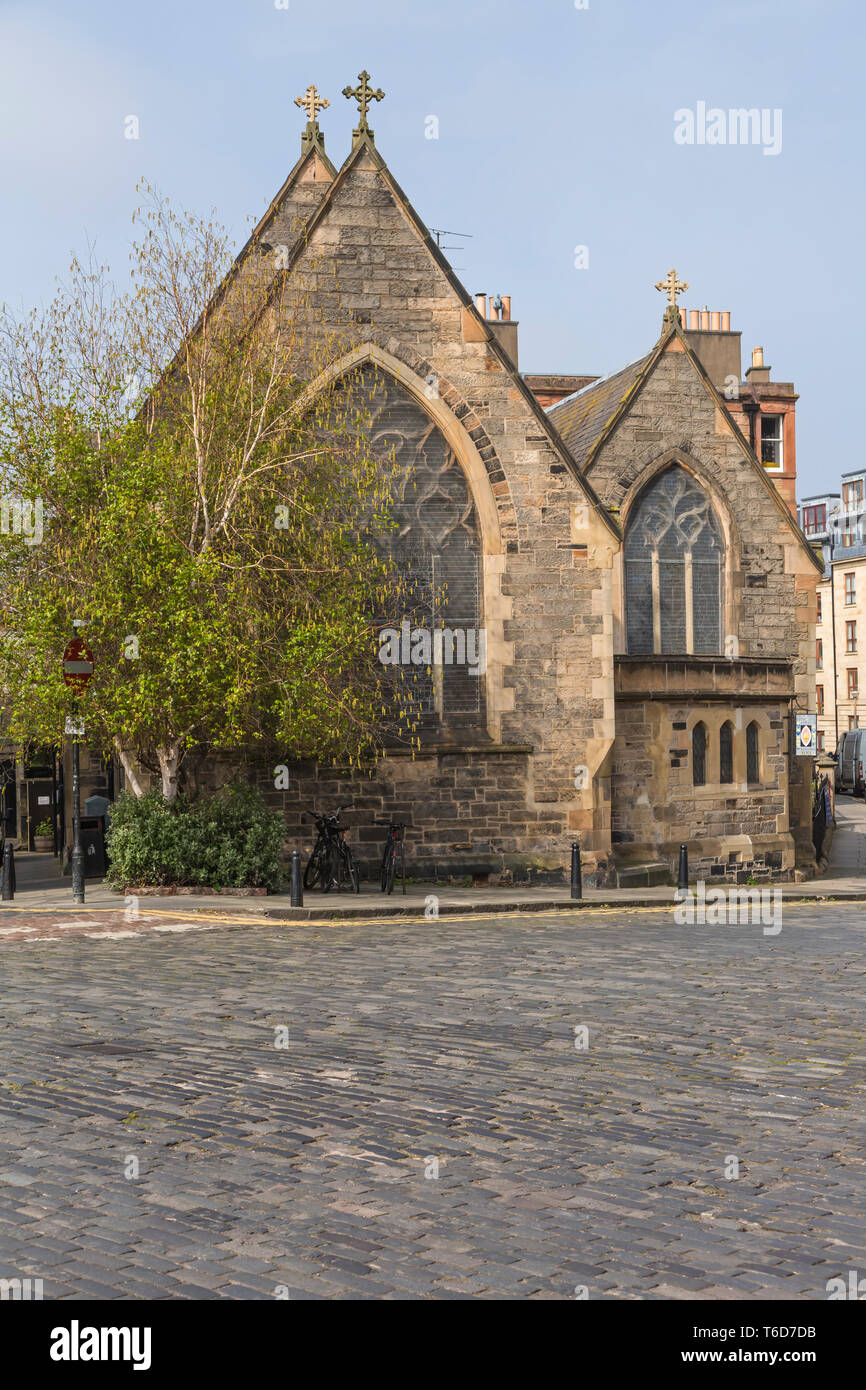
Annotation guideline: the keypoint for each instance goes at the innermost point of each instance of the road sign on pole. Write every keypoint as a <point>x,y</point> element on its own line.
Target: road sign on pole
<point>78,665</point>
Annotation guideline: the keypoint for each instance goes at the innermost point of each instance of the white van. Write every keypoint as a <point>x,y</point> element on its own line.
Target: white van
<point>851,763</point>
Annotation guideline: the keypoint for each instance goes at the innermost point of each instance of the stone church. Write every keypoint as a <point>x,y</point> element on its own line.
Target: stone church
<point>628,548</point>
<point>630,601</point>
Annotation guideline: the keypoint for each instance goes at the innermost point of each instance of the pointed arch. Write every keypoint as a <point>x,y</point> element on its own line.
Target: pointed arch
<point>699,754</point>
<point>674,567</point>
<point>726,752</point>
<point>428,394</point>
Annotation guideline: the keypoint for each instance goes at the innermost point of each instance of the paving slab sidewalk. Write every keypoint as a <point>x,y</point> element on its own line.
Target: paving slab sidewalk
<point>41,889</point>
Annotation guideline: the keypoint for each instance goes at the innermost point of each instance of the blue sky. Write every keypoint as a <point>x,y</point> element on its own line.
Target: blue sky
<point>556,129</point>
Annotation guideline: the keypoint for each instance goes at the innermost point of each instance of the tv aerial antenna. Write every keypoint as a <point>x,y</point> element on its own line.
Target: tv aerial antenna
<point>440,232</point>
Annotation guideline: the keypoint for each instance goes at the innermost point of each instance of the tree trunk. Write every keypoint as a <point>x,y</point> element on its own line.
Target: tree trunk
<point>127,765</point>
<point>169,764</point>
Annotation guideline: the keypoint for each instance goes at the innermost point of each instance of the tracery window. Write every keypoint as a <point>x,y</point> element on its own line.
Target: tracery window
<point>437,546</point>
<point>674,552</point>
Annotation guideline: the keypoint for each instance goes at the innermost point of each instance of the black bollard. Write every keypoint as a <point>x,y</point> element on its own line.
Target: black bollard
<point>576,883</point>
<point>683,885</point>
<point>297,882</point>
<point>8,873</point>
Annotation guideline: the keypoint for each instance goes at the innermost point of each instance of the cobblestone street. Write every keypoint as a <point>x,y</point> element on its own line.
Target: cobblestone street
<point>416,1046</point>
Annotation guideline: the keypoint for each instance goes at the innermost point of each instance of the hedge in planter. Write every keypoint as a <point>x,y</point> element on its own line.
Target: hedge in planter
<point>228,840</point>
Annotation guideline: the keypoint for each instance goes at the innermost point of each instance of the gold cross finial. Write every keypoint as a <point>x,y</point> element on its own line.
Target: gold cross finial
<point>672,286</point>
<point>363,94</point>
<point>312,102</point>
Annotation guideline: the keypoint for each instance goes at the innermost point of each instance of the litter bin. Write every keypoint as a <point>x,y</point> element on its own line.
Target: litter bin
<point>93,845</point>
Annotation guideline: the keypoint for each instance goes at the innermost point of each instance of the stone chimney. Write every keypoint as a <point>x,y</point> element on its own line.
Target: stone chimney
<point>709,335</point>
<point>757,371</point>
<point>497,314</point>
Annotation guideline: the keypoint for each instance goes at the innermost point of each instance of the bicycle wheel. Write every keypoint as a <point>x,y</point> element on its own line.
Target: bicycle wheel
<point>331,867</point>
<point>390,870</point>
<point>383,867</point>
<point>351,868</point>
<point>317,862</point>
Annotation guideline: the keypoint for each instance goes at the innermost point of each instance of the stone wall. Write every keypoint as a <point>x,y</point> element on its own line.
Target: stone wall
<point>467,812</point>
<point>735,829</point>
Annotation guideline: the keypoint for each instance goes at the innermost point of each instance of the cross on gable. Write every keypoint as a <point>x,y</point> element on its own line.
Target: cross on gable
<point>363,94</point>
<point>312,102</point>
<point>672,286</point>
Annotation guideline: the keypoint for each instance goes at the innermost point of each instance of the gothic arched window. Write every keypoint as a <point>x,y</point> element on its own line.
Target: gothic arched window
<point>436,542</point>
<point>673,569</point>
<point>699,755</point>
<point>753,772</point>
<point>726,753</point>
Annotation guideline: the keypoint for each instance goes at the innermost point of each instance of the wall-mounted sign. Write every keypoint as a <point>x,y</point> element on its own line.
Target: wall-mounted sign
<point>807,735</point>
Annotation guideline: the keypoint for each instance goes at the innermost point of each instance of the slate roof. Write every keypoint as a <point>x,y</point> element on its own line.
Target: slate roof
<point>581,418</point>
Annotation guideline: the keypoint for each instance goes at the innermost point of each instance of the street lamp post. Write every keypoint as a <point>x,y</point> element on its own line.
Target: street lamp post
<point>77,851</point>
<point>77,673</point>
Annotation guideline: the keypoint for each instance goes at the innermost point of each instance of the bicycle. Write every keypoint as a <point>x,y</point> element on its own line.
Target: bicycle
<point>331,861</point>
<point>396,839</point>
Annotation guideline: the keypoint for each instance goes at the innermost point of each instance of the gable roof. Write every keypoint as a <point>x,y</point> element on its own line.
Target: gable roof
<point>593,424</point>
<point>581,417</point>
<point>365,146</point>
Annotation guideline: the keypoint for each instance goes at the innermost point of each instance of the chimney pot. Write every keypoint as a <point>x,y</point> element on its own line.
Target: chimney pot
<point>715,320</point>
<point>726,321</point>
<point>506,306</point>
<point>481,304</point>
<point>757,357</point>
<point>705,320</point>
<point>694,320</point>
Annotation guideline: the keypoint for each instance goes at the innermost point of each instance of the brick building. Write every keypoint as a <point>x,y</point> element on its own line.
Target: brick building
<point>646,597</point>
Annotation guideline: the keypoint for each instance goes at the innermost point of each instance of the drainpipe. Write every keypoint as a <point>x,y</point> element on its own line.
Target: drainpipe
<point>751,408</point>
<point>833,624</point>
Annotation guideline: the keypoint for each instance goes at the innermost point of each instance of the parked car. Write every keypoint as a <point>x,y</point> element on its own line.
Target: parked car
<point>851,763</point>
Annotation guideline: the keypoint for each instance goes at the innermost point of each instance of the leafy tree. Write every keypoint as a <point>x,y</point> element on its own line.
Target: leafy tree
<point>217,526</point>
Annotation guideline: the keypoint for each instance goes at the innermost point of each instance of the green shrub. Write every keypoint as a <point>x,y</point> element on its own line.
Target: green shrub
<point>228,840</point>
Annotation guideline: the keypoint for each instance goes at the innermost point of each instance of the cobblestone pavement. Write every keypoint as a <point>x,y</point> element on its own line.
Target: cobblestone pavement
<point>309,1170</point>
